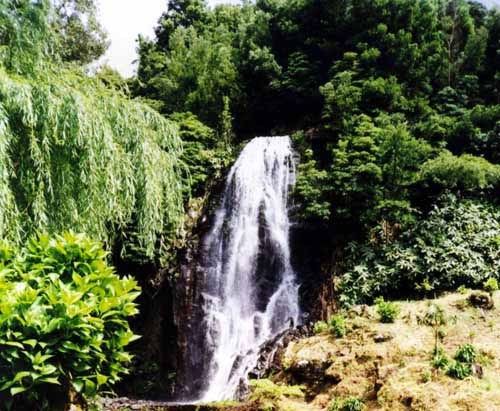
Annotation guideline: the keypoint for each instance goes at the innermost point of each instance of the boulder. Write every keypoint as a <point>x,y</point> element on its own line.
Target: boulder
<point>481,300</point>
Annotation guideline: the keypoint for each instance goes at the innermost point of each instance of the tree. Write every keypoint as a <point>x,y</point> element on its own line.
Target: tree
<point>458,25</point>
<point>180,13</point>
<point>194,75</point>
<point>492,63</point>
<point>26,38</point>
<point>355,172</point>
<point>82,39</point>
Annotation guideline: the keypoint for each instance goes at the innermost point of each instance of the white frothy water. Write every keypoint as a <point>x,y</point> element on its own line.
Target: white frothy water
<point>243,310</point>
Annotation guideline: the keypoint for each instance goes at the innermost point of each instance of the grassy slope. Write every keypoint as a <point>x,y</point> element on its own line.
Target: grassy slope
<point>391,375</point>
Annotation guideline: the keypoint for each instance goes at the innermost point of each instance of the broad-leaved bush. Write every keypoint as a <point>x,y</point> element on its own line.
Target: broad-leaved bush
<point>63,322</point>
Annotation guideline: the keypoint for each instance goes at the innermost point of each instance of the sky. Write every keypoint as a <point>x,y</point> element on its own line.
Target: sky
<point>126,19</point>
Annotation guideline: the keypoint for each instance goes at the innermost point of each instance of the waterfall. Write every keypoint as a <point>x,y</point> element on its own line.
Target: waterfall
<point>249,292</point>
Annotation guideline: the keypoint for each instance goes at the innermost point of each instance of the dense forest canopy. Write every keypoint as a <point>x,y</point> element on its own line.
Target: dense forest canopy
<point>397,100</point>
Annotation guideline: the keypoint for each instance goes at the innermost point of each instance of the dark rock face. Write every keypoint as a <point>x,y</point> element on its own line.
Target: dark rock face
<point>155,351</point>
<point>188,316</point>
<point>270,353</point>
<point>481,300</point>
<point>316,257</point>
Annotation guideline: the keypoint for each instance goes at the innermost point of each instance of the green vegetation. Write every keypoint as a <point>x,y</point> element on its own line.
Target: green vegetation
<point>459,370</point>
<point>337,326</point>
<point>320,327</point>
<point>465,358</point>
<point>77,155</point>
<point>438,253</point>
<point>491,285</point>
<point>350,404</point>
<point>394,156</point>
<point>387,311</point>
<point>436,318</point>
<point>268,394</point>
<point>466,353</point>
<point>63,322</point>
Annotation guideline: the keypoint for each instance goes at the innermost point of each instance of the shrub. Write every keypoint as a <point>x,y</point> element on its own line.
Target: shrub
<point>426,376</point>
<point>435,317</point>
<point>459,370</point>
<point>352,404</point>
<point>337,326</point>
<point>335,405</point>
<point>387,311</point>
<point>467,172</point>
<point>439,359</point>
<point>310,190</point>
<point>440,248</point>
<point>491,285</point>
<point>320,327</point>
<point>63,322</point>
<point>466,354</point>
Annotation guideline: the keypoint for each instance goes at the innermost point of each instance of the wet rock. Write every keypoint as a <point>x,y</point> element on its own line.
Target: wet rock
<point>307,370</point>
<point>477,371</point>
<point>481,300</point>
<point>383,337</point>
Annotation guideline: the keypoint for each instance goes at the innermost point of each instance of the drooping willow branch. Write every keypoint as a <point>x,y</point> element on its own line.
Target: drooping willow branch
<point>76,155</point>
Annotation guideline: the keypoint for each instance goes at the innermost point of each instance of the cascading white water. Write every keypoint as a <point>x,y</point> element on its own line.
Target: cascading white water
<point>250,292</point>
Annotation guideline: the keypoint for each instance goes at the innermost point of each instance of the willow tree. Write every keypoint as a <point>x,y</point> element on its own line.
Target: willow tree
<point>77,155</point>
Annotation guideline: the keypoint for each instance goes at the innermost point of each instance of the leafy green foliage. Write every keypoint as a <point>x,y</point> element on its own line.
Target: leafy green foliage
<point>355,173</point>
<point>74,154</point>
<point>203,154</point>
<point>310,190</point>
<point>466,354</point>
<point>435,317</point>
<point>465,357</point>
<point>196,73</point>
<point>455,245</point>
<point>459,370</point>
<point>25,35</point>
<point>81,37</point>
<point>491,285</point>
<point>63,322</point>
<point>388,311</point>
<point>337,326</point>
<point>320,327</point>
<point>466,172</point>
<point>350,404</point>
<point>440,361</point>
